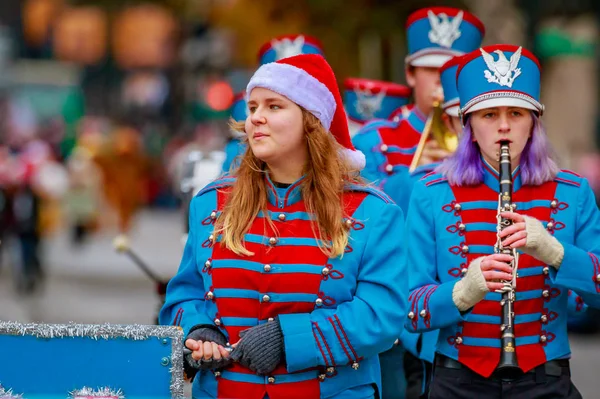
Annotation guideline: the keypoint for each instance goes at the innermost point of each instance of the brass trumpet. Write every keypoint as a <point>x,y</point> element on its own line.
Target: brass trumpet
<point>436,128</point>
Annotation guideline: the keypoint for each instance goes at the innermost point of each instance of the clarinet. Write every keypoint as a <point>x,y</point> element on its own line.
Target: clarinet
<point>508,356</point>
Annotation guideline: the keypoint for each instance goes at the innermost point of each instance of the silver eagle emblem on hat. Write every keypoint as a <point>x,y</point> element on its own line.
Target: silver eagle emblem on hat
<point>444,30</point>
<point>286,47</point>
<point>504,71</point>
<point>368,104</point>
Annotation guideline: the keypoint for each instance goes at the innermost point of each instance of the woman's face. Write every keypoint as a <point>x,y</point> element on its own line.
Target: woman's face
<point>492,125</point>
<point>275,128</point>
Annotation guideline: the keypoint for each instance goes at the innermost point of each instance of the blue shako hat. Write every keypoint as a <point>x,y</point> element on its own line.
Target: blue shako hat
<point>451,103</point>
<point>367,99</point>
<point>288,46</point>
<point>499,75</point>
<point>436,34</point>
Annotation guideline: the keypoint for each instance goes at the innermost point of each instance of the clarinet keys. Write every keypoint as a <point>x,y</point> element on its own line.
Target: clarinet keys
<point>509,348</point>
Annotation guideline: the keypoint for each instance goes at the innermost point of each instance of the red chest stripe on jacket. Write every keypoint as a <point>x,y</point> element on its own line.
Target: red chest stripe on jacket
<point>249,273</point>
<point>405,137</point>
<point>487,307</point>
<point>480,237</point>
<point>276,254</point>
<point>481,330</point>
<point>231,389</point>
<point>399,159</point>
<point>528,306</point>
<point>252,308</point>
<point>472,356</point>
<point>530,283</point>
<point>290,228</point>
<point>295,390</point>
<point>228,389</point>
<point>489,215</point>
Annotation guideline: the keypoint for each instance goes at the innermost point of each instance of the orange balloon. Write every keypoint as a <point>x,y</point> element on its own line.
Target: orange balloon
<point>144,36</point>
<point>80,35</point>
<point>38,16</point>
<point>219,95</point>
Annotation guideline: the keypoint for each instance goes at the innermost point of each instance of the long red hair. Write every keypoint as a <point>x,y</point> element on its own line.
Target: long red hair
<point>326,173</point>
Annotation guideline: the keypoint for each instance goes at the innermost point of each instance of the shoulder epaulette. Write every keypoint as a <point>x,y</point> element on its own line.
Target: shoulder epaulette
<point>225,181</point>
<point>433,178</point>
<point>370,190</point>
<point>427,169</point>
<point>568,177</point>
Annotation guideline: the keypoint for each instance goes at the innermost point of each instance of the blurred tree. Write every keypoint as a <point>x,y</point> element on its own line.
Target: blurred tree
<point>253,25</point>
<point>189,10</point>
<point>339,24</point>
<point>504,22</point>
<point>564,35</point>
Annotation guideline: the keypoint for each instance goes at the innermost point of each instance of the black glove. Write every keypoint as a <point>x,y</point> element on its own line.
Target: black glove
<point>261,348</point>
<point>209,334</point>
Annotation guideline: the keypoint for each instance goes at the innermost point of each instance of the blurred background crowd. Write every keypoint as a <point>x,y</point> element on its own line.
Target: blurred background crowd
<point>101,101</point>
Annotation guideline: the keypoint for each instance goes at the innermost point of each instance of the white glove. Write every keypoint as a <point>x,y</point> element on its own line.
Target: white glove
<point>470,289</point>
<point>541,244</point>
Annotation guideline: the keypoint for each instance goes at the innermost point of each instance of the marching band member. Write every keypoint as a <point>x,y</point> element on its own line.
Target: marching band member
<point>420,347</point>
<point>291,259</point>
<point>399,186</point>
<point>502,330</point>
<point>368,99</point>
<point>435,35</point>
<point>275,49</point>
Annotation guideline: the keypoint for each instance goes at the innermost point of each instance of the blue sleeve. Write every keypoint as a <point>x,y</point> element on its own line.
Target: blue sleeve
<point>429,300</point>
<point>399,187</point>
<point>184,302</point>
<point>580,268</point>
<point>370,322</point>
<point>575,304</point>
<point>364,141</point>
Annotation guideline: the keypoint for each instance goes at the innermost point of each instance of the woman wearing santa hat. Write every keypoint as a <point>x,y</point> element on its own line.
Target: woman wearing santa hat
<point>292,260</point>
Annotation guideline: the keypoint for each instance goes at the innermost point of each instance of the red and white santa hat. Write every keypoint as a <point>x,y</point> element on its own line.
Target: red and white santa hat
<point>309,81</point>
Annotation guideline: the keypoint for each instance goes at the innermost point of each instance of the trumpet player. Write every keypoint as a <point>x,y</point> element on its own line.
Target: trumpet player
<point>399,186</point>
<point>435,35</point>
<point>420,348</point>
<point>491,269</point>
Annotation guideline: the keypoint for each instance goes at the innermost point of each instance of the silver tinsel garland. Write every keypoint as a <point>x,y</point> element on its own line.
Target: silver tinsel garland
<point>4,394</point>
<point>108,331</point>
<point>86,392</point>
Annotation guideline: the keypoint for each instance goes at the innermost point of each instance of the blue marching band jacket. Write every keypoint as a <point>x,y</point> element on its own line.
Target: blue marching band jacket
<point>449,226</point>
<point>335,314</point>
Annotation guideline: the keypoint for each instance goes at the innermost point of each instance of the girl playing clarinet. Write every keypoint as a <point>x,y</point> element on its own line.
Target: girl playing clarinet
<point>495,281</point>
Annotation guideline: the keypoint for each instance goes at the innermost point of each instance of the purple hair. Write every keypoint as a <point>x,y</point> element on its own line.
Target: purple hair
<point>465,167</point>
